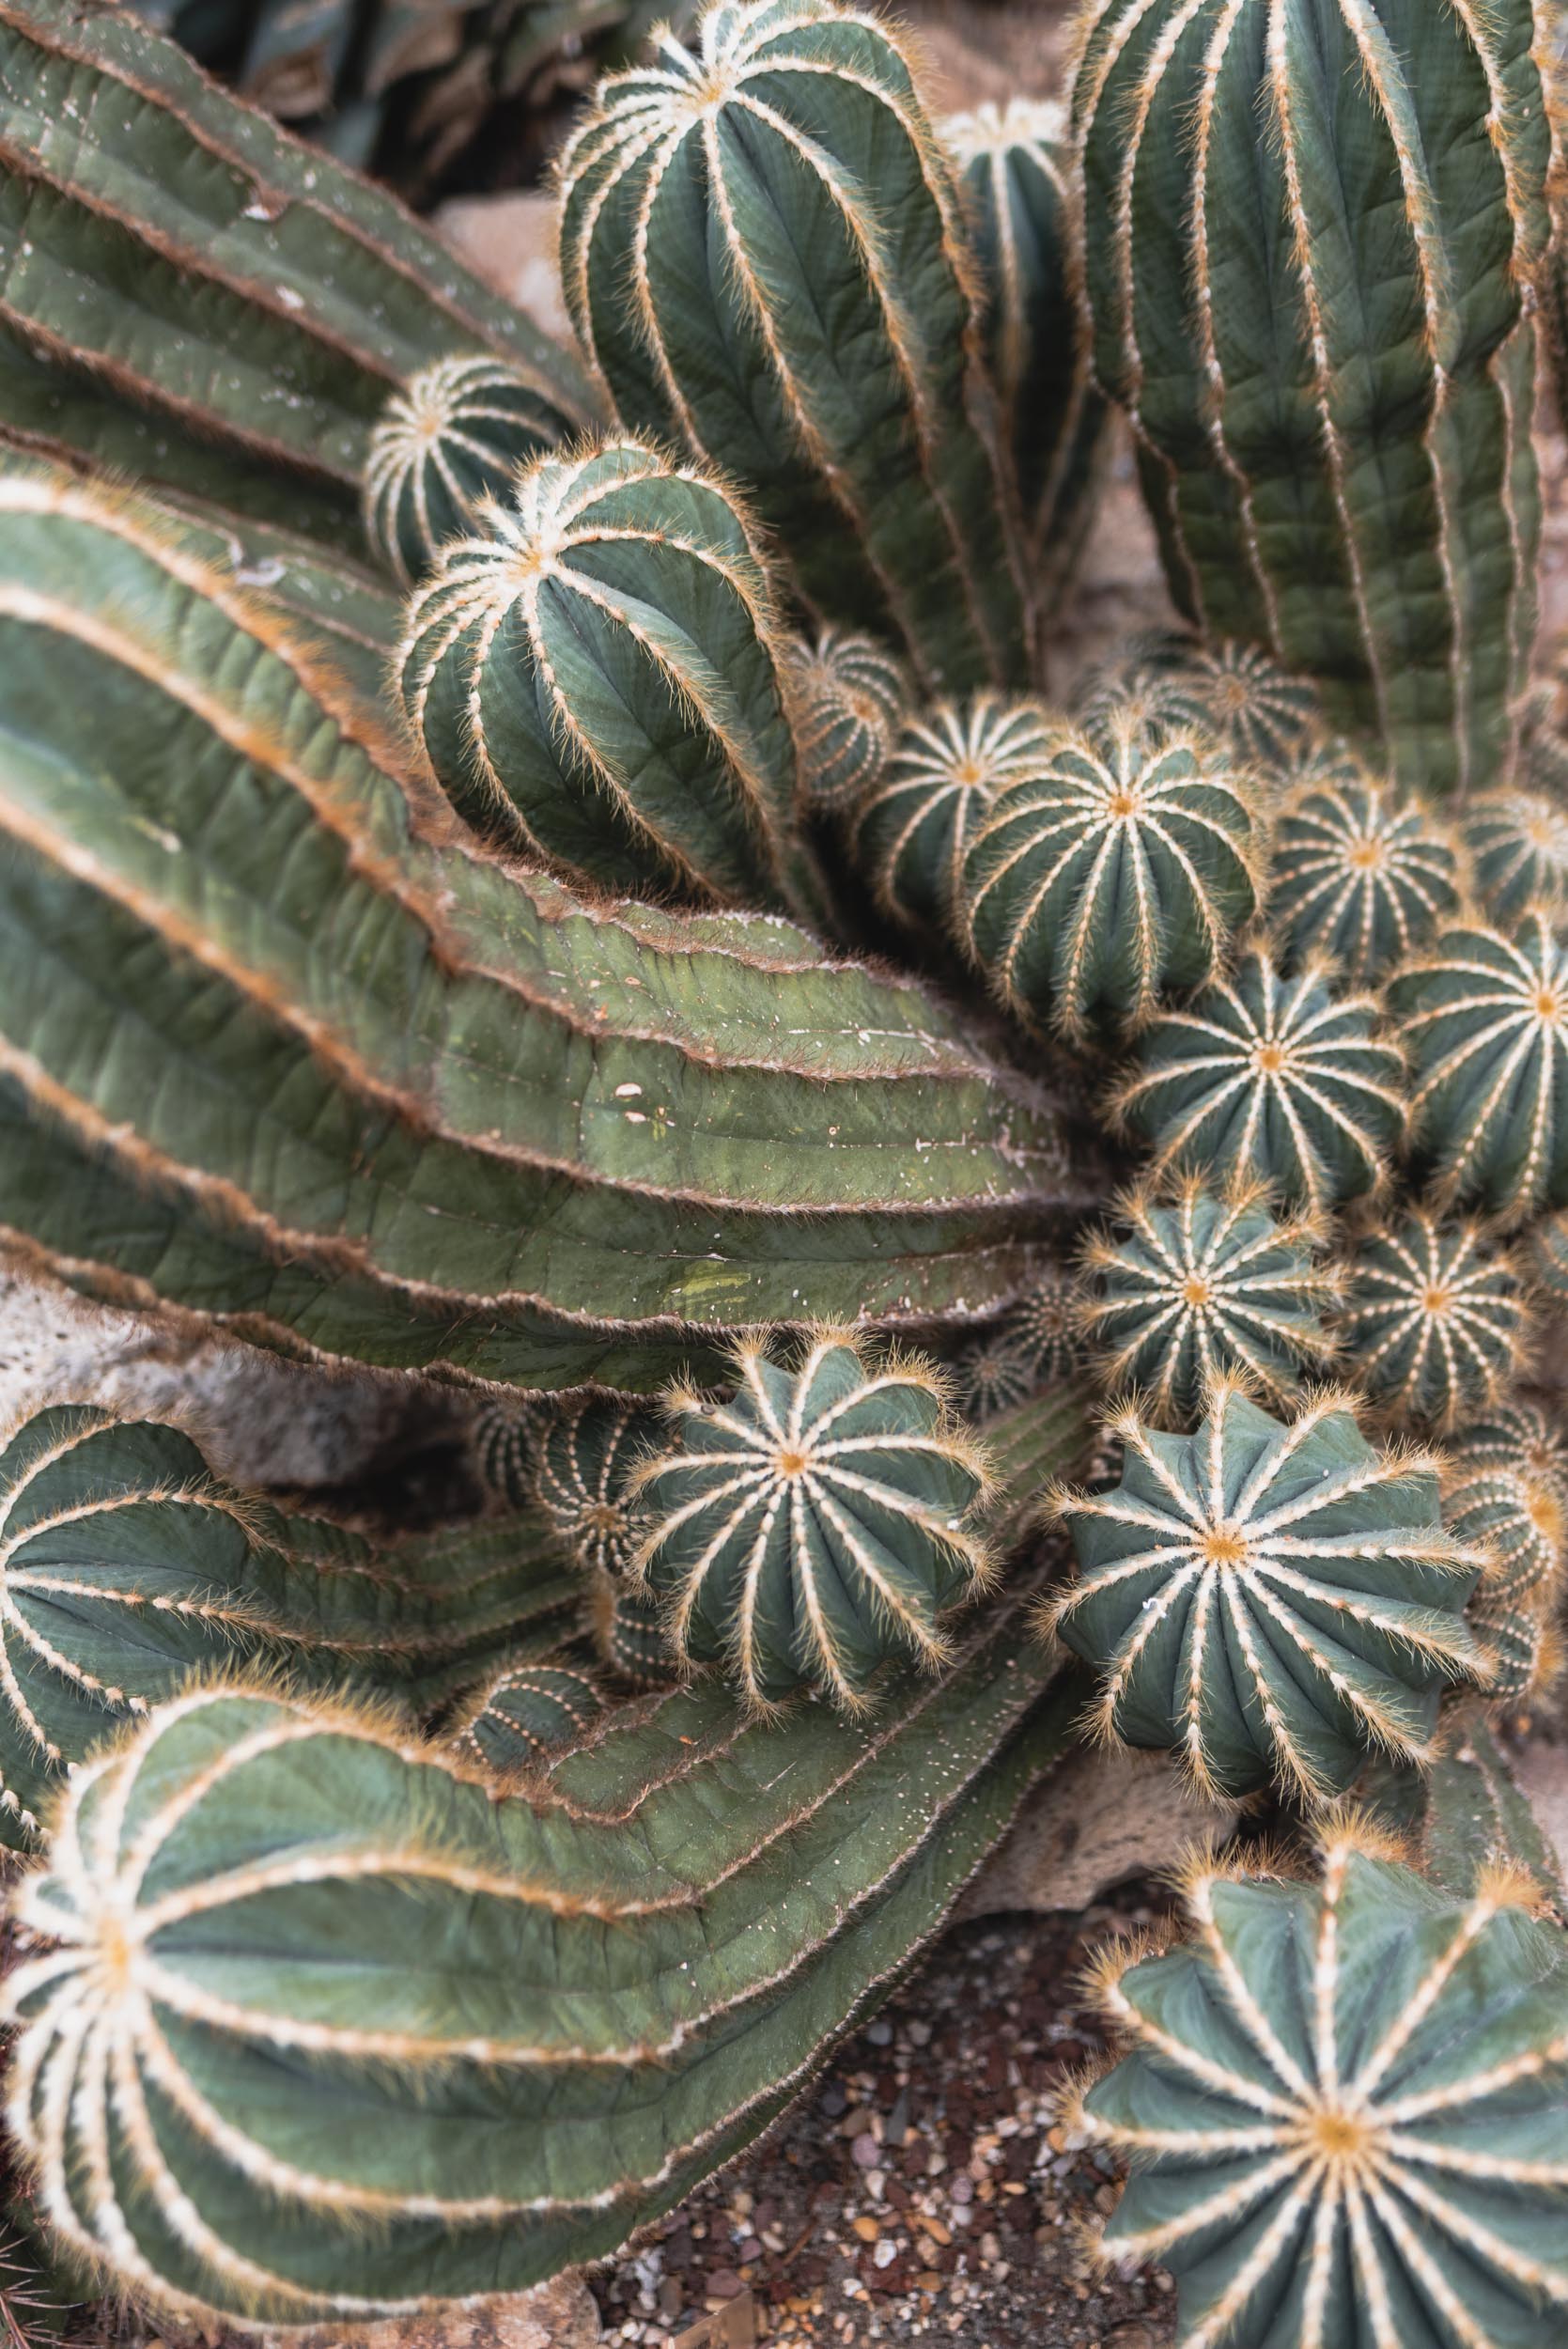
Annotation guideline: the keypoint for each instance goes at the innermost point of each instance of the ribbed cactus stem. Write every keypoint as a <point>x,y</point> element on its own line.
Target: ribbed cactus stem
<point>1302,218</point>
<point>763,251</point>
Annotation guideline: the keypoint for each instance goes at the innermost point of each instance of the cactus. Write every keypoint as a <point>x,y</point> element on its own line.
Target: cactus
<point>1014,164</point>
<point>126,1568</point>
<point>1483,1018</point>
<point>629,1969</point>
<point>524,1712</point>
<point>1272,1079</point>
<point>993,1374</point>
<point>1434,1319</point>
<point>1399,155</point>
<point>628,1637</point>
<point>815,1525</point>
<point>849,695</point>
<point>1047,1324</point>
<point>1504,1489</point>
<point>1466,1813</point>
<point>763,254</point>
<point>277,299</point>
<point>1361,874</point>
<point>1268,1599</point>
<point>586,1453</point>
<point>1342,2105</point>
<point>1197,1286</point>
<point>595,681</point>
<point>1115,872</point>
<point>917,823</point>
<point>453,435</point>
<point>617,1112</point>
<point>502,1446</point>
<point>1518,849</point>
<point>1525,1655</point>
<point>1231,691</point>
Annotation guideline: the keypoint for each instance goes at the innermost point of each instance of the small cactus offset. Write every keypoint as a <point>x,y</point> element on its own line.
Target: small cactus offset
<point>819,1524</point>
<point>1016,168</point>
<point>1397,569</point>
<point>1362,873</point>
<point>1274,1078</point>
<point>1434,1319</point>
<point>586,1457</point>
<point>1047,1324</point>
<point>774,210</point>
<point>524,1712</point>
<point>1196,1287</point>
<point>1268,1599</point>
<point>993,1374</point>
<point>1519,850</point>
<point>1115,871</point>
<point>454,435</point>
<point>849,695</point>
<point>1484,1017</point>
<point>918,823</point>
<point>1505,1488</point>
<point>1232,690</point>
<point>627,1633</point>
<point>1343,2106</point>
<point>598,679</point>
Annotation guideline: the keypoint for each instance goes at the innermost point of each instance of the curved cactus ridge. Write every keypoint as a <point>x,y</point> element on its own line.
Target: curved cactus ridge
<point>1342,2106</point>
<point>1271,1600</point>
<point>1273,1079</point>
<point>1400,153</point>
<point>1360,872</point>
<point>1505,1488</point>
<point>947,766</point>
<point>127,1568</point>
<point>1191,1286</point>
<point>848,693</point>
<point>1434,1318</point>
<point>523,1712</point>
<point>596,679</point>
<point>452,435</point>
<point>1518,849</point>
<point>194,298</point>
<point>763,251</point>
<point>1016,169</point>
<point>821,1523</point>
<point>416,1110</point>
<point>502,1444</point>
<point>1117,869</point>
<point>623,1976</point>
<point>1483,1018</point>
<point>1232,691</point>
<point>586,1453</point>
<point>627,1632</point>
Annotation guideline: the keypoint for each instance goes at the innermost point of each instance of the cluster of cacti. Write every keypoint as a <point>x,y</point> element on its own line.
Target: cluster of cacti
<point>572,882</point>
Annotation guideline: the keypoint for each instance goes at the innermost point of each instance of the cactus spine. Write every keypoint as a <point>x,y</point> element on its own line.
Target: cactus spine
<point>1398,156</point>
<point>918,820</point>
<point>1361,875</point>
<point>1434,1319</point>
<point>1342,2105</point>
<point>775,210</point>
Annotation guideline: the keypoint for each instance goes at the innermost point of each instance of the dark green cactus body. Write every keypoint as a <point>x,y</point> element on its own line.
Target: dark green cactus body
<point>454,434</point>
<point>207,302</point>
<point>1173,684</point>
<point>1117,869</point>
<point>1274,1080</point>
<point>817,1525</point>
<point>628,1635</point>
<point>1200,1285</point>
<point>503,1444</point>
<point>1046,1322</point>
<point>1269,1600</point>
<point>1518,845</point>
<point>524,1712</point>
<point>1484,1017</point>
<point>586,1453</point>
<point>414,1109</point>
<point>1433,1320</point>
<point>917,821</point>
<point>1505,1489</point>
<point>126,1568</point>
<point>1343,2109</point>
<point>762,250</point>
<point>1361,873</point>
<point>595,681</point>
<point>1312,225</point>
<point>847,694</point>
<point>622,1978</point>
<point>1016,174</point>
<point>994,1374</point>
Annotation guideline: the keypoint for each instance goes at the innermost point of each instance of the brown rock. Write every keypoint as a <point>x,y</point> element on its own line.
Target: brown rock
<point>1099,1819</point>
<point>557,2315</point>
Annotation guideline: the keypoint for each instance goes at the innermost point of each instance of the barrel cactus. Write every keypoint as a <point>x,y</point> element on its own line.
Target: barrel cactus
<point>586,1457</point>
<point>1434,1320</point>
<point>1269,1598</point>
<point>1342,2106</point>
<point>1397,569</point>
<point>867,433</point>
<point>1232,691</point>
<point>523,1712</point>
<point>1362,873</point>
<point>1518,849</point>
<point>849,695</point>
<point>1196,1287</point>
<point>818,1523</point>
<point>454,435</point>
<point>1117,870</point>
<point>918,820</point>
